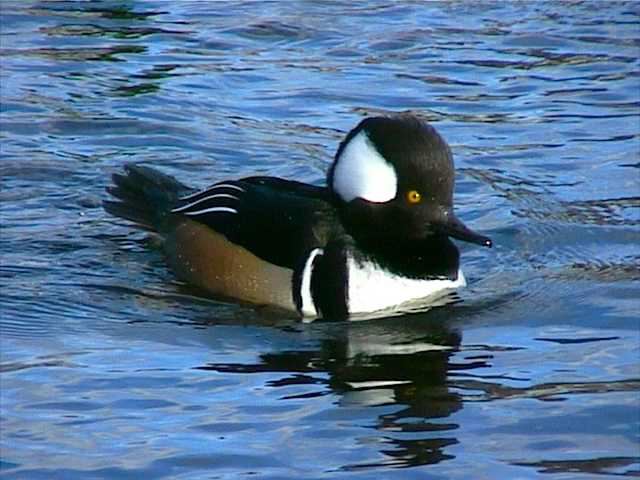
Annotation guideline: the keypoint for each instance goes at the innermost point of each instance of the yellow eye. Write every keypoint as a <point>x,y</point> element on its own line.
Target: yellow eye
<point>413,196</point>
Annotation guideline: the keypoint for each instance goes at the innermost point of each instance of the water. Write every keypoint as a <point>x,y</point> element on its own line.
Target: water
<point>112,369</point>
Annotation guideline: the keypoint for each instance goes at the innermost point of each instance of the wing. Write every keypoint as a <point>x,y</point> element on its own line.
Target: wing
<point>277,220</point>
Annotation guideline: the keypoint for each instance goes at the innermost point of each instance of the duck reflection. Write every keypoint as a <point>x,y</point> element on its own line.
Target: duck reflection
<point>379,365</point>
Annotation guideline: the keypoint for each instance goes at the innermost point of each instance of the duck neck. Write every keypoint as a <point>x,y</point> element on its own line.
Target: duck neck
<point>432,257</point>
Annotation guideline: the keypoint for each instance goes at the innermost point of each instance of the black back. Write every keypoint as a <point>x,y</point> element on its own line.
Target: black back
<point>278,220</point>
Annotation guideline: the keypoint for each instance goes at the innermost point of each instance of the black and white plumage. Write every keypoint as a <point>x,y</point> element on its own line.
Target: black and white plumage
<point>376,237</point>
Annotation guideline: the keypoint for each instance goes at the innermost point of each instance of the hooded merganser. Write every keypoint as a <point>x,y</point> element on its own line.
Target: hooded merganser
<point>375,238</point>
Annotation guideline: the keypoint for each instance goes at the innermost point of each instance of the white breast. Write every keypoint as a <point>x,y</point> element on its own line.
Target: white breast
<point>372,288</point>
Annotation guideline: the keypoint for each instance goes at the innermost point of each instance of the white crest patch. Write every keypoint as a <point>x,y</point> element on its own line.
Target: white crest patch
<point>361,172</point>
<point>372,288</point>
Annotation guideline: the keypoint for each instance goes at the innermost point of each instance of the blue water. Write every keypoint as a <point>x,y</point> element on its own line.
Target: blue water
<point>113,369</point>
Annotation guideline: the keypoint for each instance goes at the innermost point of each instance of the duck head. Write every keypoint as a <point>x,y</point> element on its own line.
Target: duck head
<point>393,180</point>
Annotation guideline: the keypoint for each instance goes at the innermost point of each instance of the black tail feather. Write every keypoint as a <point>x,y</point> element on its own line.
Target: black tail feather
<point>144,196</point>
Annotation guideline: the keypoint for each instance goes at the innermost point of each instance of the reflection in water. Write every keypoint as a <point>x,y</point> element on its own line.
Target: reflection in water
<point>596,466</point>
<point>108,54</point>
<point>124,10</point>
<point>381,363</point>
<point>544,391</point>
<point>121,32</point>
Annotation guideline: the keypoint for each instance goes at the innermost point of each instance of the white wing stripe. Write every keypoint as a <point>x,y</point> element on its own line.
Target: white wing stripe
<point>208,189</point>
<point>192,204</point>
<point>211,210</point>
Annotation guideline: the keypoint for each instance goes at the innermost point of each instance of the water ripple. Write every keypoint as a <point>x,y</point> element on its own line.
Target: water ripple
<point>534,369</point>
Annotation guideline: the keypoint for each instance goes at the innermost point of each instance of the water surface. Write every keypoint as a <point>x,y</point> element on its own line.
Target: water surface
<point>113,369</point>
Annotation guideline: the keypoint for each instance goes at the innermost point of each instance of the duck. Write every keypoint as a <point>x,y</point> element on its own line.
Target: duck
<point>376,237</point>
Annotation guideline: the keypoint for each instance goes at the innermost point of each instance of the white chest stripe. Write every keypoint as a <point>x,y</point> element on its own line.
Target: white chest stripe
<point>361,172</point>
<point>308,308</point>
<point>372,288</point>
